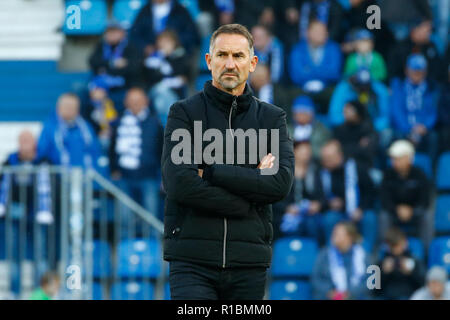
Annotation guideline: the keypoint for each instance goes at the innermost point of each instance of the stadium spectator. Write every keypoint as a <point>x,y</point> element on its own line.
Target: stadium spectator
<point>49,287</point>
<point>116,61</point>
<point>278,94</point>
<point>405,194</point>
<point>301,210</point>
<point>357,136</point>
<point>436,287</point>
<point>348,191</point>
<point>306,127</point>
<point>299,16</point>
<point>415,101</point>
<point>315,64</point>
<point>158,16</point>
<point>339,271</point>
<point>166,73</point>
<point>67,139</point>
<point>270,51</point>
<point>365,57</point>
<point>400,15</point>
<point>401,272</point>
<point>419,42</point>
<point>100,111</point>
<point>135,151</point>
<point>374,95</point>
<point>443,118</point>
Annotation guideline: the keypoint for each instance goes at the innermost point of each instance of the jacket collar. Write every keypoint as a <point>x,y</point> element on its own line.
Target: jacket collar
<point>223,100</point>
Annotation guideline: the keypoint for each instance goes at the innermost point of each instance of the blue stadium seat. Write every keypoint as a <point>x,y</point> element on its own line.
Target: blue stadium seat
<point>200,81</point>
<point>135,290</point>
<point>443,172</point>
<point>191,6</point>
<point>442,215</point>
<point>204,49</point>
<point>290,290</point>
<point>439,253</point>
<point>294,257</point>
<point>139,258</point>
<point>126,11</point>
<point>102,259</point>
<point>93,17</point>
<point>167,291</point>
<point>97,291</point>
<point>423,161</point>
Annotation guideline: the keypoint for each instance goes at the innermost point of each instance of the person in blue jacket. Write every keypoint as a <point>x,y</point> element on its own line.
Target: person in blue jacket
<point>374,95</point>
<point>158,16</point>
<point>315,63</point>
<point>67,139</point>
<point>414,106</point>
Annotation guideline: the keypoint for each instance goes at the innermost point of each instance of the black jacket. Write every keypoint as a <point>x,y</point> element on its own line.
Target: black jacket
<point>223,219</point>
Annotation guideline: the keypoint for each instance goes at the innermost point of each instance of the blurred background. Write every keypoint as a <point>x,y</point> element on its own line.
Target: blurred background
<point>85,90</point>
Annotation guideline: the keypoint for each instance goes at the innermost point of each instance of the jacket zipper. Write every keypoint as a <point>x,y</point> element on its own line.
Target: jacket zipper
<point>225,225</point>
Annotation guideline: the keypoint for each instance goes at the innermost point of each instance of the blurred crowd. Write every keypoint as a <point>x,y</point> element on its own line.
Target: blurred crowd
<point>360,105</point>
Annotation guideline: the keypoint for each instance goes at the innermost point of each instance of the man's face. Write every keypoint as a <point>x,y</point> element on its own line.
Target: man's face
<point>114,36</point>
<point>416,76</point>
<point>136,101</point>
<point>331,157</point>
<point>350,114</point>
<point>421,34</point>
<point>303,117</point>
<point>27,146</point>
<point>399,248</point>
<point>401,164</point>
<point>98,94</point>
<point>341,238</point>
<point>166,45</point>
<point>230,62</point>
<point>159,1</point>
<point>68,108</point>
<point>303,152</point>
<point>436,288</point>
<point>364,46</point>
<point>260,37</point>
<point>317,34</point>
<point>260,77</point>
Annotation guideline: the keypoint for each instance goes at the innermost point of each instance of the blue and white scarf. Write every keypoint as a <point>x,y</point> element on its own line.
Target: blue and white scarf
<point>161,13</point>
<point>322,12</point>
<point>60,135</point>
<point>352,194</point>
<point>129,140</point>
<point>111,54</point>
<point>414,99</point>
<point>44,213</point>
<point>338,273</point>
<point>4,192</point>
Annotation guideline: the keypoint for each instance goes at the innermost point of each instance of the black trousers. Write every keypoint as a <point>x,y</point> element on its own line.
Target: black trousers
<point>189,281</point>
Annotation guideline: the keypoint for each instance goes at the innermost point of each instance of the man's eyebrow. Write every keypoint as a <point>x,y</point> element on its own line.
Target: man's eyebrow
<point>226,52</point>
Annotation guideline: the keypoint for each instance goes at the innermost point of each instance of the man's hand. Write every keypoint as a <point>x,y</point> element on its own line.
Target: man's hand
<point>357,214</point>
<point>404,212</point>
<point>336,204</point>
<point>200,173</point>
<point>388,265</point>
<point>266,162</point>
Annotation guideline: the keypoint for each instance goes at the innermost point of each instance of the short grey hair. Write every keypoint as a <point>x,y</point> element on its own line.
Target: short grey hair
<point>234,28</point>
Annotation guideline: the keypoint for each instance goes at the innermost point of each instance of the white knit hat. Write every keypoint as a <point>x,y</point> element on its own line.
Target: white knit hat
<point>401,148</point>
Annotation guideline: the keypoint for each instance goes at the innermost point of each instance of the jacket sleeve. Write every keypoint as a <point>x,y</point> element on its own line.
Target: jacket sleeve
<point>250,183</point>
<point>182,182</point>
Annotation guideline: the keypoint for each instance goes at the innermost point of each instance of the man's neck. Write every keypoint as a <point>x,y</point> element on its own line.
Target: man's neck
<point>239,90</point>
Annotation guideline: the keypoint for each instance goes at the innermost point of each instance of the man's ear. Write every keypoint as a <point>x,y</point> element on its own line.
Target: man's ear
<point>208,61</point>
<point>253,63</point>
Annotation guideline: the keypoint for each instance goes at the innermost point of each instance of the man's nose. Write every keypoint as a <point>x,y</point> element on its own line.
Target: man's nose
<point>230,63</point>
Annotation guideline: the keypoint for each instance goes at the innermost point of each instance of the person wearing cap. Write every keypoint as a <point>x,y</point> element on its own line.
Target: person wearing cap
<point>365,56</point>
<point>117,61</point>
<point>437,286</point>
<point>306,127</point>
<point>373,94</point>
<point>405,194</point>
<point>357,136</point>
<point>419,41</point>
<point>315,64</point>
<point>414,106</point>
